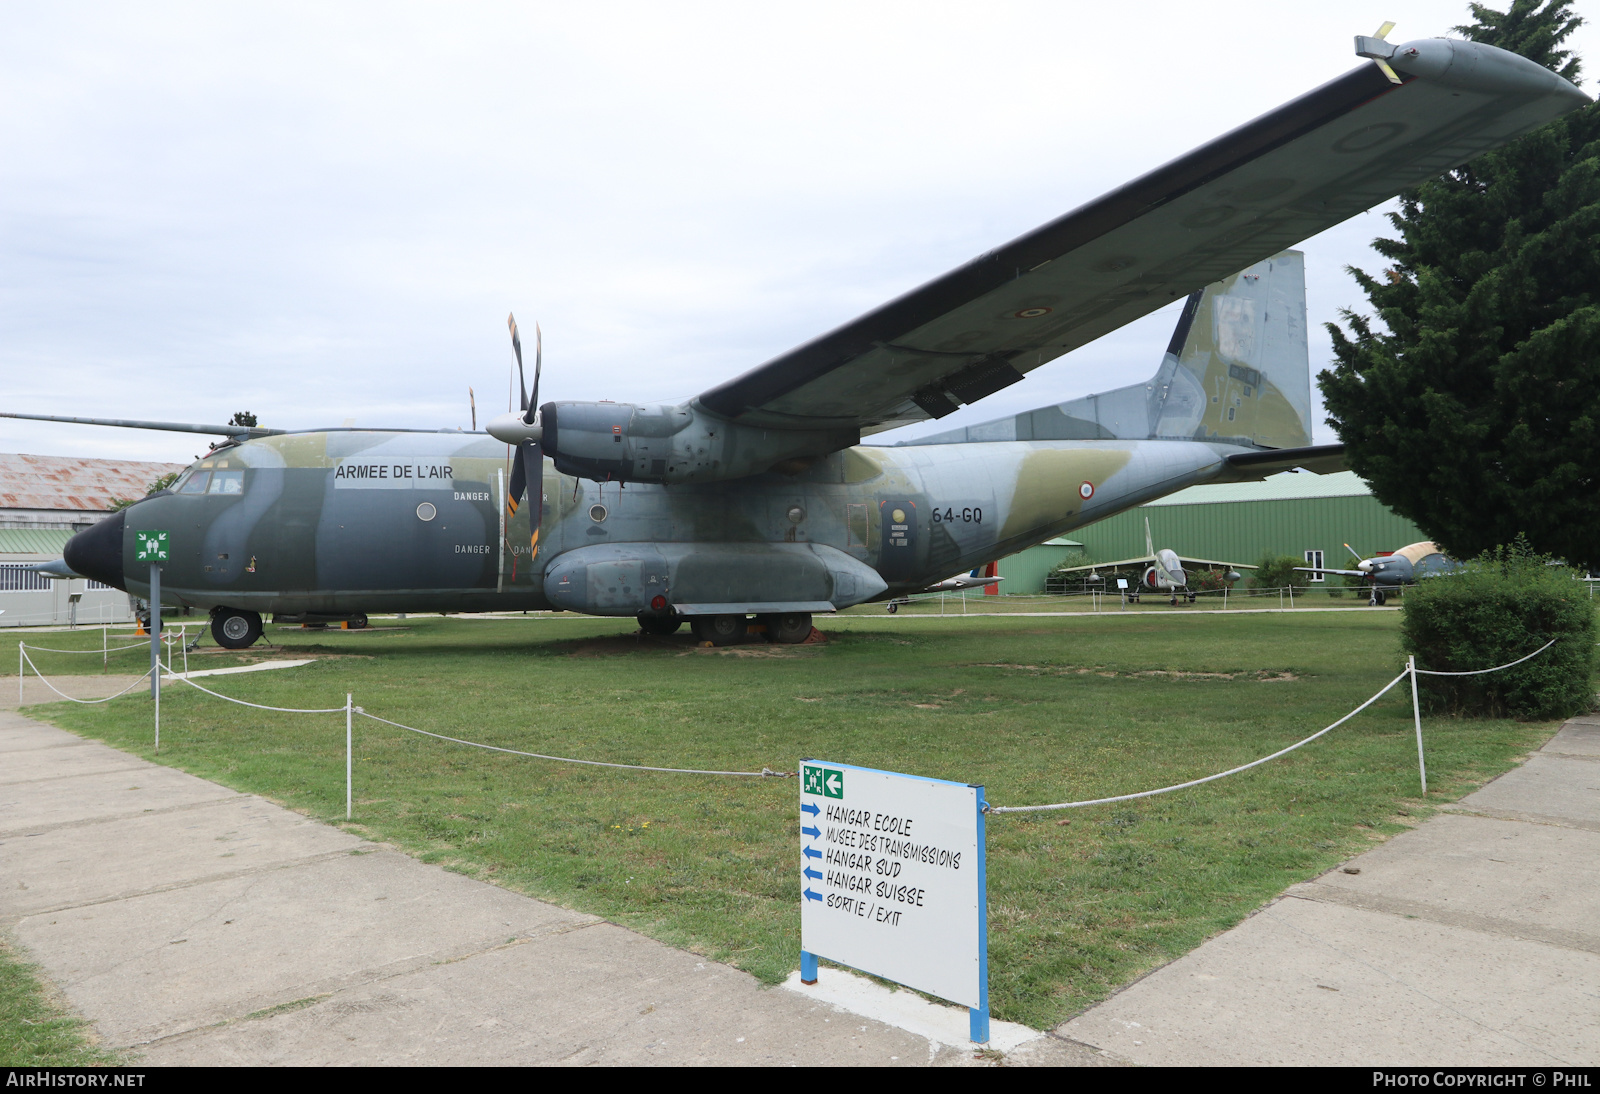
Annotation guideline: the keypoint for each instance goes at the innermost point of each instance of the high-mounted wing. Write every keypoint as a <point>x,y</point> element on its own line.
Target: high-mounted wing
<point>1334,152</point>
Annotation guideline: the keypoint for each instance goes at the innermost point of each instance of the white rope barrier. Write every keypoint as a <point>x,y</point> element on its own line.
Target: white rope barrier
<point>1497,668</point>
<point>349,709</point>
<point>764,773</point>
<point>86,702</point>
<point>259,706</point>
<point>113,649</point>
<point>1208,778</point>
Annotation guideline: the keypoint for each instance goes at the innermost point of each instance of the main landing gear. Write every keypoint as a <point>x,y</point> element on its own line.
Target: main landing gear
<point>1376,599</point>
<point>719,630</point>
<point>783,628</point>
<point>651,623</point>
<point>787,628</point>
<point>235,629</point>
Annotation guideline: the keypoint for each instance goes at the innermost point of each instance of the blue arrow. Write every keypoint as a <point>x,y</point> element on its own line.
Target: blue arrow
<point>809,872</point>
<point>812,832</point>
<point>807,807</point>
<point>812,852</point>
<point>812,896</point>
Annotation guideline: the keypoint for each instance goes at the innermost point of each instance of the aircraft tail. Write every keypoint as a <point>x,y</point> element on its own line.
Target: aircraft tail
<point>1237,370</point>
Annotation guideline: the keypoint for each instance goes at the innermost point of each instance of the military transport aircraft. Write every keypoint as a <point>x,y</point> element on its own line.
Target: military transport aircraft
<point>1386,573</point>
<point>757,497</point>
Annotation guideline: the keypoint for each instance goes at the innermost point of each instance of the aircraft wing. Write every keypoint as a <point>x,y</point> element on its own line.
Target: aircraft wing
<point>1333,152</point>
<point>1326,570</point>
<point>1144,561</point>
<point>1185,559</point>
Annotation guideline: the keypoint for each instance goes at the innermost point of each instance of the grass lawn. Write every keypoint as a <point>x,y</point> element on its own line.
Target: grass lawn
<point>1038,709</point>
<point>36,1031</point>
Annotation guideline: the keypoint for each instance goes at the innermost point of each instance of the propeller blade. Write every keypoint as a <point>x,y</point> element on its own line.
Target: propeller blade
<point>538,366</point>
<point>1383,66</point>
<point>1383,31</point>
<point>534,452</point>
<point>516,344</point>
<point>518,483</point>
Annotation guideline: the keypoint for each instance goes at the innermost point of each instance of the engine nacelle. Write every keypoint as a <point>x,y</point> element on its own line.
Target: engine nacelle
<point>628,442</point>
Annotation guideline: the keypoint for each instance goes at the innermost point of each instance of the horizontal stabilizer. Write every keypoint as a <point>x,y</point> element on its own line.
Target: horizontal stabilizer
<point>1320,459</point>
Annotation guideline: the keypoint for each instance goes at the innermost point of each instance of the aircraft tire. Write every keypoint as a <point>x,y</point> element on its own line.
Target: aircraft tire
<point>358,621</point>
<point>787,628</point>
<point>893,607</point>
<point>719,630</point>
<point>1377,597</point>
<point>662,625</point>
<point>234,629</point>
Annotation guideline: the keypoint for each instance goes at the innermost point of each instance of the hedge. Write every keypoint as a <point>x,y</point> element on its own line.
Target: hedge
<point>1500,607</point>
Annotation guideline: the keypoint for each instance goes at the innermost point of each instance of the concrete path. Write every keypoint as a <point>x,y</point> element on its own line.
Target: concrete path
<point>1472,940</point>
<point>197,925</point>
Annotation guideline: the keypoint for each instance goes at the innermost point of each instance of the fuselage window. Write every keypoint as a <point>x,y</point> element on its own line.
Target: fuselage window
<point>194,482</point>
<point>226,482</point>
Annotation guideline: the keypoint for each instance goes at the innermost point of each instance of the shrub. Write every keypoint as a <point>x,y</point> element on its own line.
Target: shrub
<point>1335,585</point>
<point>1210,581</point>
<point>1275,571</point>
<point>1499,607</point>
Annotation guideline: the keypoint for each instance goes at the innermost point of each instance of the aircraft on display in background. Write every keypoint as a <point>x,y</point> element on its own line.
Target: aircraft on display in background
<point>1391,572</point>
<point>958,584</point>
<point>757,497</point>
<point>1159,571</point>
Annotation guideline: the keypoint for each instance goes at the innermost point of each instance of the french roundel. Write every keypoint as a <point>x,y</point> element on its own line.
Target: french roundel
<point>1086,491</point>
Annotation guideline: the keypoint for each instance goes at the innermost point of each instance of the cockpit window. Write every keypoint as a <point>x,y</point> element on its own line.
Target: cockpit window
<point>193,483</point>
<point>226,482</point>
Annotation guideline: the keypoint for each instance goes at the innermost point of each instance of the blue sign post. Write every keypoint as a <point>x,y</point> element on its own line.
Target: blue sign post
<point>893,881</point>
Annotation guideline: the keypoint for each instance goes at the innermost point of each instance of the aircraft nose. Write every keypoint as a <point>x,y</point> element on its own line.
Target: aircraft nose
<point>96,552</point>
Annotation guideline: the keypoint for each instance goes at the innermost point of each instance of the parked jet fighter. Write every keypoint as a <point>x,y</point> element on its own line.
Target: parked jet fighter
<point>959,583</point>
<point>1161,571</point>
<point>757,496</point>
<point>1386,573</point>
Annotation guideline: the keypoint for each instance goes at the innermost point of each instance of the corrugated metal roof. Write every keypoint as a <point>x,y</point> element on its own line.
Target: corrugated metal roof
<point>1282,487</point>
<point>34,541</point>
<point>66,483</point>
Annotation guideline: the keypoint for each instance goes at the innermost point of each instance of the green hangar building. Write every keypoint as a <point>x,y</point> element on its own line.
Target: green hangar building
<point>1296,513</point>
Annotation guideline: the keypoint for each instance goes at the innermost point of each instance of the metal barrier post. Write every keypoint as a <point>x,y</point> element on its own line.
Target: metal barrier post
<point>348,756</point>
<point>1416,714</point>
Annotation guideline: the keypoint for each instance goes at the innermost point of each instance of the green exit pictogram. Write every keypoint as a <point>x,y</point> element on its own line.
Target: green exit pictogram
<point>825,781</point>
<point>151,546</point>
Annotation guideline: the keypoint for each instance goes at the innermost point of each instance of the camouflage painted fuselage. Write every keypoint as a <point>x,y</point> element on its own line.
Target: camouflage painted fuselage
<point>379,521</point>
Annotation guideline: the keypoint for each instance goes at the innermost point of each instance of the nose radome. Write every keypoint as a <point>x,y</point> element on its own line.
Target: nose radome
<point>96,552</point>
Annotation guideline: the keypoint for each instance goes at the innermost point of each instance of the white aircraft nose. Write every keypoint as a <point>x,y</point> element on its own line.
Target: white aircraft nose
<point>513,430</point>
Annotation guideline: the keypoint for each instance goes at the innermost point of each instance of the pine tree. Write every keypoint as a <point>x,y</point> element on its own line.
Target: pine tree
<point>1471,402</point>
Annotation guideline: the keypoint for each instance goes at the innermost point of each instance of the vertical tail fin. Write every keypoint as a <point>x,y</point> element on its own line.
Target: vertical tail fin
<point>1237,369</point>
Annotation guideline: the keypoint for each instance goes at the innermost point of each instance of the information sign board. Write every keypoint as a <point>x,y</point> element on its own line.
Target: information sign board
<point>892,880</point>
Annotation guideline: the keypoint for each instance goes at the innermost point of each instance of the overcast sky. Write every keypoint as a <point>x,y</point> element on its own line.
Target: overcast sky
<point>323,212</point>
